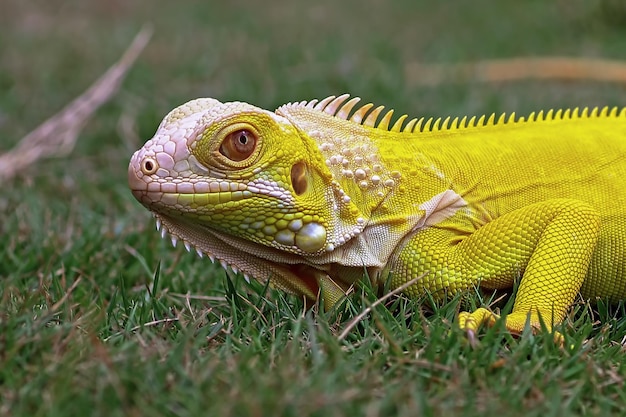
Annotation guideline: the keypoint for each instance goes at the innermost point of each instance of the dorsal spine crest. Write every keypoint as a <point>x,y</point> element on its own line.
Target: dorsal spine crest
<point>341,107</point>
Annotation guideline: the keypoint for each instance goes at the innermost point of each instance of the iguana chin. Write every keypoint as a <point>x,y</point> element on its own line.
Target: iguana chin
<point>313,195</point>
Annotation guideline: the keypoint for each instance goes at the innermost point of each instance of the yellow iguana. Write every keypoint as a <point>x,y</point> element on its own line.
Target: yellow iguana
<point>316,193</point>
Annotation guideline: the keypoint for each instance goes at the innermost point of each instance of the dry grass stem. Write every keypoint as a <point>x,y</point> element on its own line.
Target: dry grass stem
<point>516,69</point>
<point>57,135</point>
<point>382,299</point>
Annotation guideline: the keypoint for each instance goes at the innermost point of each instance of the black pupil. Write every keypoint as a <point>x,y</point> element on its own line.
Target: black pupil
<point>243,139</point>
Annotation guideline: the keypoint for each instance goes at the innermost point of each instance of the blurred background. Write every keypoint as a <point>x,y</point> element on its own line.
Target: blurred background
<point>268,53</point>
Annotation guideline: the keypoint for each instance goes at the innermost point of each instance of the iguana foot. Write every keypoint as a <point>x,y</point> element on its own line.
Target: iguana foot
<point>471,322</point>
<point>515,323</point>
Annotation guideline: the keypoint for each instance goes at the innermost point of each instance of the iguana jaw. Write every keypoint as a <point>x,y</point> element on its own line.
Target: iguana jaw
<point>285,271</point>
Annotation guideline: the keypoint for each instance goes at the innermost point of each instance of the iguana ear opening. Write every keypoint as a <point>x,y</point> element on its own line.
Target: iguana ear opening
<point>299,178</point>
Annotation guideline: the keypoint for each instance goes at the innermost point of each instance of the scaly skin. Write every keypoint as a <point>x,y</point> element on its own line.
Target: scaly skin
<point>315,194</point>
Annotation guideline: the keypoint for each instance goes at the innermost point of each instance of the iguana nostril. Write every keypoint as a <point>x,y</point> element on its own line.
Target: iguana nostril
<point>149,166</point>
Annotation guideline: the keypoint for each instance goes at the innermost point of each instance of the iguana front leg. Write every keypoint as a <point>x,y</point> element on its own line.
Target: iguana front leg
<point>549,244</point>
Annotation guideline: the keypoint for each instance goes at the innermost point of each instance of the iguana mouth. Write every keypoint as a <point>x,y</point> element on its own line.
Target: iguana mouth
<point>290,275</point>
<point>152,192</point>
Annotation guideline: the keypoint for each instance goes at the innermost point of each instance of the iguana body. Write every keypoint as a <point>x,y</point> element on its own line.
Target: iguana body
<point>314,195</point>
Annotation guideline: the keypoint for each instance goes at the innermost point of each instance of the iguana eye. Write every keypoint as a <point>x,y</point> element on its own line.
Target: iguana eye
<point>238,145</point>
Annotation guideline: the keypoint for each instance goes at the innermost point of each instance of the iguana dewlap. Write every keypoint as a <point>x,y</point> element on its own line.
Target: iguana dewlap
<point>316,194</point>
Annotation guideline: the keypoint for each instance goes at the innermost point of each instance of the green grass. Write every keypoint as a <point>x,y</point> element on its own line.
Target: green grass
<point>98,316</point>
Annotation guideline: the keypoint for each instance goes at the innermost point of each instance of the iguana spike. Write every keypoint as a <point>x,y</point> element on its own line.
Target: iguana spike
<point>463,122</point>
<point>357,117</point>
<point>550,115</point>
<point>436,124</point>
<point>427,125</point>
<point>491,120</point>
<point>585,112</point>
<point>613,112</point>
<point>345,110</point>
<point>594,112</point>
<point>446,123</point>
<point>481,120</point>
<point>410,125</point>
<point>501,118</point>
<point>511,118</point>
<point>311,104</point>
<point>540,116</point>
<point>558,114</point>
<point>384,122</point>
<point>455,123</point>
<point>397,126</point>
<point>322,104</point>
<point>371,118</point>
<point>623,112</point>
<point>332,107</point>
<point>418,126</point>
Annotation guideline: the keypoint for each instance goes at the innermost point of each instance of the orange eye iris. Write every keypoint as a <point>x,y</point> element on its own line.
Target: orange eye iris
<point>238,145</point>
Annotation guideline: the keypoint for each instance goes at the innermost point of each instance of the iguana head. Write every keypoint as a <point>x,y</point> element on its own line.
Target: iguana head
<point>243,185</point>
<point>240,170</point>
<point>297,195</point>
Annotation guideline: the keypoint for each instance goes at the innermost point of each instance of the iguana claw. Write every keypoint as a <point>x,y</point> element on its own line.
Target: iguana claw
<point>515,324</point>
